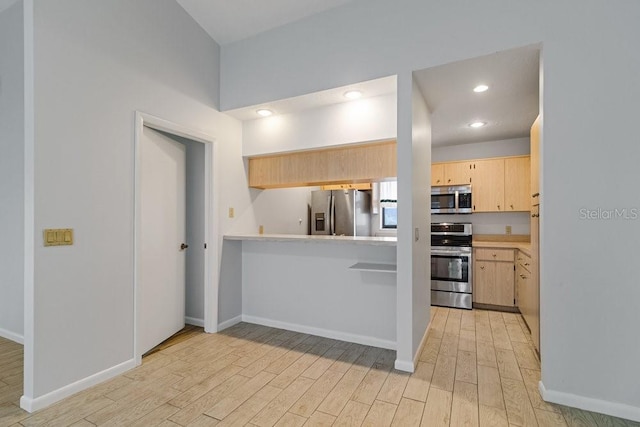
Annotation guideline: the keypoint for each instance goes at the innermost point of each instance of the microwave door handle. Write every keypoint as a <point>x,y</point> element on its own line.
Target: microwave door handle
<point>457,202</point>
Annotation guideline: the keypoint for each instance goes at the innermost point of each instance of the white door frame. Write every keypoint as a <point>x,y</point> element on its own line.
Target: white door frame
<point>210,224</point>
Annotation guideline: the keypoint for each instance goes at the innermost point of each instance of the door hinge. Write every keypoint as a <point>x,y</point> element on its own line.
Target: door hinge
<point>514,266</point>
<point>514,301</point>
<point>205,246</point>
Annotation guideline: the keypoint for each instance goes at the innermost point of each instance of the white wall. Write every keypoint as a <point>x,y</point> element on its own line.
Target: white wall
<point>11,172</point>
<point>486,223</point>
<point>96,64</point>
<point>421,202</point>
<point>368,119</point>
<point>318,293</point>
<point>588,157</point>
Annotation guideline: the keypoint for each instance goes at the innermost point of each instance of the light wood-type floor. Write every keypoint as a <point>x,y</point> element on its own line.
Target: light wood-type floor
<point>477,368</point>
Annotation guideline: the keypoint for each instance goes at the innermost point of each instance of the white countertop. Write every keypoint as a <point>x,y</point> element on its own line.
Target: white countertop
<point>523,246</point>
<point>358,240</point>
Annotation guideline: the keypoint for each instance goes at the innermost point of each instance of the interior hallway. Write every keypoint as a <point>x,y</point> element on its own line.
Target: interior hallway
<point>477,368</point>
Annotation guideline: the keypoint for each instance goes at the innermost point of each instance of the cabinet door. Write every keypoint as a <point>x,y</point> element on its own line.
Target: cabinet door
<point>504,284</point>
<point>517,178</point>
<point>437,174</point>
<point>457,173</point>
<point>488,185</point>
<point>535,157</point>
<point>484,277</point>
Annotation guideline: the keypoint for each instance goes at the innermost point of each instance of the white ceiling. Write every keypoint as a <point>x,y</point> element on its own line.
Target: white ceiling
<point>509,107</point>
<point>227,21</point>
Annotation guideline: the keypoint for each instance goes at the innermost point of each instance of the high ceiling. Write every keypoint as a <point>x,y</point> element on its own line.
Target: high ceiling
<point>227,21</point>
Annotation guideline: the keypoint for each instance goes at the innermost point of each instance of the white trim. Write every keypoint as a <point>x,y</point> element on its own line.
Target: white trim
<point>30,405</point>
<point>211,265</point>
<point>590,404</point>
<point>12,336</point>
<point>229,323</point>
<point>193,321</point>
<point>404,365</point>
<point>327,333</point>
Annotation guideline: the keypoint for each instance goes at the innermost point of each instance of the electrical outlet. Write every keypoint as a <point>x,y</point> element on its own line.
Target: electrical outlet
<point>231,212</point>
<point>261,230</point>
<point>507,229</point>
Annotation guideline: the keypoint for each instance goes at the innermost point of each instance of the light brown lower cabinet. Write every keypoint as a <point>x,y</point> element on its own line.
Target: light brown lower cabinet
<point>528,296</point>
<point>494,277</point>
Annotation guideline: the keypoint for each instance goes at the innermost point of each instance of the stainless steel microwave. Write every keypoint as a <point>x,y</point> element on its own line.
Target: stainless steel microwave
<point>451,200</point>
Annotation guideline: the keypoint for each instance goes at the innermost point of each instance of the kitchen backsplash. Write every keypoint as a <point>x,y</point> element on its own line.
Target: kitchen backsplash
<point>491,223</point>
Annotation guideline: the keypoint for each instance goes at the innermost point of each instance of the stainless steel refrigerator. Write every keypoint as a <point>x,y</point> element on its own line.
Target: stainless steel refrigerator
<point>341,212</point>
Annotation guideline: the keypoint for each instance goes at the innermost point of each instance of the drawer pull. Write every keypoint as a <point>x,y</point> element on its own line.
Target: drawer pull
<point>523,276</point>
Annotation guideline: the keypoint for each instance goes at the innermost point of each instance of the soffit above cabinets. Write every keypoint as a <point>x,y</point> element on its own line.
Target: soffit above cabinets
<point>509,106</point>
<point>369,89</point>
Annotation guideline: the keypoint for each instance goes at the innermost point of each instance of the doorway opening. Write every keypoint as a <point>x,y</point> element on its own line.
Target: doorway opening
<point>175,237</point>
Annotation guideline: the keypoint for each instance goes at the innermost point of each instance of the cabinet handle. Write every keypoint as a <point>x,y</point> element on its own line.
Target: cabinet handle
<point>535,215</point>
<point>511,206</point>
<point>437,181</point>
<point>448,180</point>
<point>526,264</point>
<point>523,276</point>
<point>482,267</point>
<point>498,207</point>
<point>535,195</point>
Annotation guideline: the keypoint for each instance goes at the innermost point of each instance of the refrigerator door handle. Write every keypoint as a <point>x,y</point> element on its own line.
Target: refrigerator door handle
<point>332,220</point>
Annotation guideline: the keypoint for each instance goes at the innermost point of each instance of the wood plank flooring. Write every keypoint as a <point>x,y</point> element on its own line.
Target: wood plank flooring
<point>477,368</point>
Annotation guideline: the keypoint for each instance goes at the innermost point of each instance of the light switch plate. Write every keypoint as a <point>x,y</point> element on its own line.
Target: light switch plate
<point>231,212</point>
<point>58,236</point>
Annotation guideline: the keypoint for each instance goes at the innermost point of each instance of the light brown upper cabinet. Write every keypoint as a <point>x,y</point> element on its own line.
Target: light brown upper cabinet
<point>488,185</point>
<point>535,158</point>
<point>437,174</point>
<point>338,165</point>
<point>517,176</point>
<point>499,184</point>
<point>451,173</point>
<point>457,173</point>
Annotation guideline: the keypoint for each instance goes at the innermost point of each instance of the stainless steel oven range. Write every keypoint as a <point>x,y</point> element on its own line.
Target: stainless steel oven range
<point>451,265</point>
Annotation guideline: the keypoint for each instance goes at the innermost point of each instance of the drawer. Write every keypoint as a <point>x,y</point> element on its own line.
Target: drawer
<point>524,261</point>
<point>485,254</point>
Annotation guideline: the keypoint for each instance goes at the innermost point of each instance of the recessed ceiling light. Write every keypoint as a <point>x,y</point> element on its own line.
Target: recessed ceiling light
<point>477,124</point>
<point>353,94</point>
<point>481,88</point>
<point>264,112</point>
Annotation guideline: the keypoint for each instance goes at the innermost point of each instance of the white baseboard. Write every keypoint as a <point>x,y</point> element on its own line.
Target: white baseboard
<point>229,323</point>
<point>193,321</point>
<point>327,333</point>
<point>619,410</point>
<point>33,404</point>
<point>11,336</point>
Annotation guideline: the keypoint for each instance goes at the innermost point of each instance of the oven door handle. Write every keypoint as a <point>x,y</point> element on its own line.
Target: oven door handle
<point>455,254</point>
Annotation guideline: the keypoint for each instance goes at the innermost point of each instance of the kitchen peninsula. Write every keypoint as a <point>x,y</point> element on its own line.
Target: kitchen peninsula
<point>340,287</point>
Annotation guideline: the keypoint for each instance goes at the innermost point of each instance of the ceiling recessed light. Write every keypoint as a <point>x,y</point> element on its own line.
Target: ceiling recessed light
<point>481,88</point>
<point>477,124</point>
<point>264,112</point>
<point>353,94</point>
